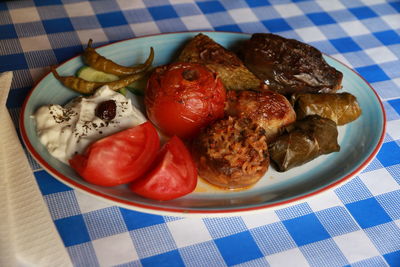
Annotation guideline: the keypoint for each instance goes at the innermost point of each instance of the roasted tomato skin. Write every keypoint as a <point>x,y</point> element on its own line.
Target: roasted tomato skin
<point>172,175</point>
<point>182,98</point>
<point>119,158</point>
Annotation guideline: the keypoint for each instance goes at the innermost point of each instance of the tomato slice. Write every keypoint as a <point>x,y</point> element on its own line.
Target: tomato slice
<point>173,175</point>
<point>119,158</point>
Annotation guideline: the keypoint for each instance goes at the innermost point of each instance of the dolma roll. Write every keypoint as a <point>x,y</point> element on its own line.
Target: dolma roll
<point>342,108</point>
<point>304,141</point>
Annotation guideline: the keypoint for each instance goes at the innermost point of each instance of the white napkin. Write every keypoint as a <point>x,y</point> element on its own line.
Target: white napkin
<point>28,236</point>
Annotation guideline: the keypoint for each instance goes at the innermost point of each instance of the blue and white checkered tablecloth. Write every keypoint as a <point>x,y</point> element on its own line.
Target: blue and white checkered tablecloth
<point>357,224</point>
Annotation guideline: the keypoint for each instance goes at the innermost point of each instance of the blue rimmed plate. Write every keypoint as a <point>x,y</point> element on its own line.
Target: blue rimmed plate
<point>359,141</point>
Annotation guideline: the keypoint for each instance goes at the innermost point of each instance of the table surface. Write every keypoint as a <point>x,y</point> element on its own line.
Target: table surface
<point>356,224</point>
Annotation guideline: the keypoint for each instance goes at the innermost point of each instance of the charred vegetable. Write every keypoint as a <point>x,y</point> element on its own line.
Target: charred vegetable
<point>288,66</point>
<point>86,87</point>
<point>304,141</point>
<point>98,62</point>
<point>234,75</point>
<point>341,108</point>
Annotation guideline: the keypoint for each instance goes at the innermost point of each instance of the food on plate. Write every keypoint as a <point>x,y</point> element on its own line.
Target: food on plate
<point>342,108</point>
<point>106,110</point>
<point>108,73</point>
<point>233,135</point>
<point>304,141</point>
<point>98,62</point>
<point>289,66</point>
<point>182,98</point>
<point>231,153</point>
<point>270,110</point>
<point>68,130</point>
<point>88,87</point>
<point>234,75</point>
<point>119,158</point>
<point>92,75</point>
<point>173,173</point>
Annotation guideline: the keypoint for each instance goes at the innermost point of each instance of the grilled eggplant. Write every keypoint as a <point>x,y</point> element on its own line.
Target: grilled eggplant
<point>288,66</point>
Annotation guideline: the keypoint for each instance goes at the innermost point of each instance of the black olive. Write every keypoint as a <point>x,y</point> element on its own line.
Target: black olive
<point>106,110</point>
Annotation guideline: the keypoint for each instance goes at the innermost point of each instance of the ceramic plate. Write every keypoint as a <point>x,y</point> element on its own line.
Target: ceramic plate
<point>359,141</point>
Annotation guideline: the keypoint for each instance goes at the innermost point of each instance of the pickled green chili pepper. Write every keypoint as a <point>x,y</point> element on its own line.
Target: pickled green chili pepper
<point>86,87</point>
<point>98,62</point>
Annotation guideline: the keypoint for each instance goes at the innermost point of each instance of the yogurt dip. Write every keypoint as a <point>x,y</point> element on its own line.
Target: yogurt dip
<point>68,130</point>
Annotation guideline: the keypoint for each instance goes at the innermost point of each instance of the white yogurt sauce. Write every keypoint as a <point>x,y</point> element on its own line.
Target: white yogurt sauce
<point>68,130</point>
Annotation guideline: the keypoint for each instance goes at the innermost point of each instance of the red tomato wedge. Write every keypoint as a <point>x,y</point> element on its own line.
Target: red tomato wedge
<point>119,158</point>
<point>173,174</point>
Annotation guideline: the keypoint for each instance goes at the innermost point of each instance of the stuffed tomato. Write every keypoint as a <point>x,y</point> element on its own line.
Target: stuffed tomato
<point>182,98</point>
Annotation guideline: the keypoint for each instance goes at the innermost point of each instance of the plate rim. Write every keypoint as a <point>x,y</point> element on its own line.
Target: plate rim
<point>169,211</point>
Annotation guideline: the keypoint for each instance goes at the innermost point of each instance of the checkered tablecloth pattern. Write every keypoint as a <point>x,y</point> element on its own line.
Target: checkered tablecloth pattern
<point>357,224</point>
